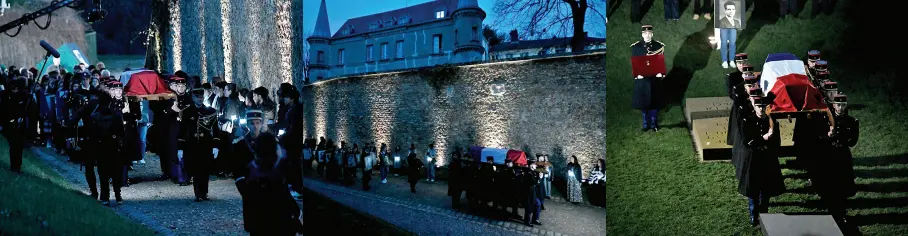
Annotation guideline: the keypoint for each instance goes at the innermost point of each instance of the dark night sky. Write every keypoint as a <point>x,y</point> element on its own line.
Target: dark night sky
<point>124,21</point>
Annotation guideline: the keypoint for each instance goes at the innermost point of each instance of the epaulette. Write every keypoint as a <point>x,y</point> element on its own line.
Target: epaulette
<point>635,43</point>
<point>659,42</point>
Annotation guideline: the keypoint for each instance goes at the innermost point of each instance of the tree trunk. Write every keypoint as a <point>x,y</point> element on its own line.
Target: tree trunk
<point>158,29</point>
<point>578,10</point>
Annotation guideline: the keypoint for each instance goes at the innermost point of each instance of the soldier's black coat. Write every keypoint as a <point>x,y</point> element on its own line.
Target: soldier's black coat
<point>757,166</point>
<point>647,91</point>
<point>197,138</point>
<point>834,171</point>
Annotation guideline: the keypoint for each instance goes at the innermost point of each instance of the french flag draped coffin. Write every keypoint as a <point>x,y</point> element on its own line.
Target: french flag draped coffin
<point>785,77</point>
<point>143,82</point>
<point>479,154</point>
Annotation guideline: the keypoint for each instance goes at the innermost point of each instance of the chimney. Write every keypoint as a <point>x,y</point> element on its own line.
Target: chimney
<point>514,37</point>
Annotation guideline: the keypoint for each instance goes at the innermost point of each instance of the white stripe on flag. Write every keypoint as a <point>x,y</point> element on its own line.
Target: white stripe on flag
<point>774,69</point>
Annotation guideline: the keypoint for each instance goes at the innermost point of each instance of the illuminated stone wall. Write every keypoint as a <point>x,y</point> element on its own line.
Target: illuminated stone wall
<point>554,105</point>
<point>250,43</point>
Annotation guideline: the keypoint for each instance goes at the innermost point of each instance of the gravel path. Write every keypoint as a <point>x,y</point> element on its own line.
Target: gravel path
<point>410,210</point>
<point>163,206</point>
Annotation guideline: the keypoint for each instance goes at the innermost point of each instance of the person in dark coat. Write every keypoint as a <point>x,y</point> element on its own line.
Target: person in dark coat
<point>741,106</point>
<point>506,180</point>
<point>268,207</point>
<point>168,115</point>
<point>109,136</point>
<point>456,177</point>
<point>647,90</point>
<point>487,189</point>
<point>292,124</point>
<point>18,108</point>
<point>759,173</point>
<point>415,164</point>
<point>834,180</point>
<point>470,168</point>
<point>533,193</point>
<point>199,133</point>
<point>86,146</point>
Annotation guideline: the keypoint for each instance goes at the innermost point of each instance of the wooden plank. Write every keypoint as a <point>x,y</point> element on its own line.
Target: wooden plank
<point>706,107</point>
<point>151,97</point>
<point>710,136</point>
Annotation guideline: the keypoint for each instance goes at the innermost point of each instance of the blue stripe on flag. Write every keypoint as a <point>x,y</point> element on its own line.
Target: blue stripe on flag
<point>781,57</point>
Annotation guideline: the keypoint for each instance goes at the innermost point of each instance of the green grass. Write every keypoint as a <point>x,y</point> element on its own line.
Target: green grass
<point>657,185</point>
<point>41,202</point>
<point>329,216</point>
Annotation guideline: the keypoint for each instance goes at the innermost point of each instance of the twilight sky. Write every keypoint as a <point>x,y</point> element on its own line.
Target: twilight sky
<point>341,10</point>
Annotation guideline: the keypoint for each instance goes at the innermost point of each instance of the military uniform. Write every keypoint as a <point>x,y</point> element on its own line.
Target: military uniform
<point>532,193</point>
<point>19,108</point>
<point>87,147</point>
<point>507,182</point>
<point>198,136</point>
<point>456,178</point>
<point>759,173</point>
<point>647,91</point>
<point>740,106</point>
<point>812,57</point>
<point>167,121</point>
<point>109,140</point>
<point>834,180</point>
<point>268,207</point>
<point>292,124</point>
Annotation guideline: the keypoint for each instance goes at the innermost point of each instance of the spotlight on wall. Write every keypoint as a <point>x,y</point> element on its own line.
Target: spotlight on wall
<point>497,89</point>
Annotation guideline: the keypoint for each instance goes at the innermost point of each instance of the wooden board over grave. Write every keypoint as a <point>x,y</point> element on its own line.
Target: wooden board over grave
<point>710,136</point>
<point>706,107</point>
<point>782,224</point>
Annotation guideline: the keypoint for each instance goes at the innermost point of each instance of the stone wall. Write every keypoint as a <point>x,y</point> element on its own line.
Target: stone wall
<point>552,105</point>
<point>250,43</point>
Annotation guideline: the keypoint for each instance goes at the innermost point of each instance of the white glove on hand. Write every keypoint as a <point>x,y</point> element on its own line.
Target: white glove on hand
<point>659,75</point>
<point>639,77</point>
<point>175,106</point>
<point>180,154</point>
<point>215,152</point>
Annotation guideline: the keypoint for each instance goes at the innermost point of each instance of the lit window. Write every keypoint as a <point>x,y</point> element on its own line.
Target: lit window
<point>400,49</point>
<point>436,43</point>
<point>340,57</point>
<point>384,51</point>
<point>369,53</point>
<point>439,14</point>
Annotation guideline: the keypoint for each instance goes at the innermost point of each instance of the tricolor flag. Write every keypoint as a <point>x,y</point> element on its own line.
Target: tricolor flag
<point>786,78</point>
<point>499,155</point>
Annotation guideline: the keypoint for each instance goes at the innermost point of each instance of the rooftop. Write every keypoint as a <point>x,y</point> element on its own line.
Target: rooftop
<point>415,14</point>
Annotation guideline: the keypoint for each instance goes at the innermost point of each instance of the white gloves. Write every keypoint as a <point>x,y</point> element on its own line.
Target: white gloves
<point>659,75</point>
<point>639,77</point>
<point>215,152</point>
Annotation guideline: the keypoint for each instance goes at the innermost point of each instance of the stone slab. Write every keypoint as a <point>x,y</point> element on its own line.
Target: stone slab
<point>709,137</point>
<point>706,107</point>
<point>784,225</point>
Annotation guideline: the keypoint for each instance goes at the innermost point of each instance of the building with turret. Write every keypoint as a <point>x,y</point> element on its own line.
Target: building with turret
<point>428,34</point>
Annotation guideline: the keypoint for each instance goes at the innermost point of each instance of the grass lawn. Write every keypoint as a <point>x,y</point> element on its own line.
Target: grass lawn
<point>328,217</point>
<point>41,202</point>
<point>657,185</point>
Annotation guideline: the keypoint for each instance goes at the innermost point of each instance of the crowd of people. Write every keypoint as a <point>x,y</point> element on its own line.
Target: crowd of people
<point>822,140</point>
<point>196,129</point>
<point>490,189</point>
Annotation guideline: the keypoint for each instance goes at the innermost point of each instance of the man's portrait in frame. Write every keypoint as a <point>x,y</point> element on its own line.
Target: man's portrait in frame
<point>729,14</point>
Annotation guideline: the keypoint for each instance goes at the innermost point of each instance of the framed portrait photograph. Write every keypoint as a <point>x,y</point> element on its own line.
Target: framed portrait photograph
<point>730,14</point>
